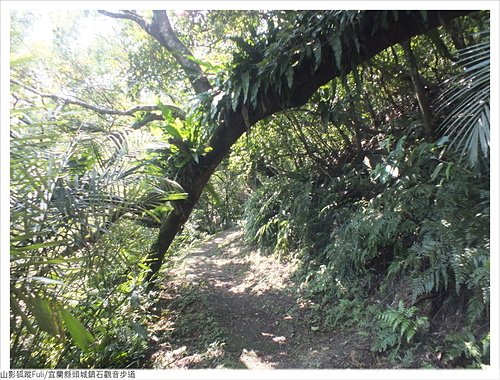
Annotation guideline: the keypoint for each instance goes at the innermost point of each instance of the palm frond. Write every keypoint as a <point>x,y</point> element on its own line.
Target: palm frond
<point>467,103</point>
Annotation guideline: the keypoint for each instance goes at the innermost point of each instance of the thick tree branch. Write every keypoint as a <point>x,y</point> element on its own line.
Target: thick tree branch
<point>306,81</point>
<point>161,29</point>
<point>163,32</point>
<point>176,111</point>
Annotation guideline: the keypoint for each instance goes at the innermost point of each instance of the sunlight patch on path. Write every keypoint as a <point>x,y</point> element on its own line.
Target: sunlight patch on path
<point>224,262</point>
<point>252,361</point>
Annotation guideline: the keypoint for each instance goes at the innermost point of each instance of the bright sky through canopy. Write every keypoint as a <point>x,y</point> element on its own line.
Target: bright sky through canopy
<point>89,27</point>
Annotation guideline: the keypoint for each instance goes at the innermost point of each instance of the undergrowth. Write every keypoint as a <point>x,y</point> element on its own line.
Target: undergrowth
<point>399,249</point>
<point>188,330</point>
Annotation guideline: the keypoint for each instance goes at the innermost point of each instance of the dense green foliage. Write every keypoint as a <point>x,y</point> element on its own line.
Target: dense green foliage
<point>389,222</point>
<point>397,237</point>
<point>77,253</point>
<point>69,248</point>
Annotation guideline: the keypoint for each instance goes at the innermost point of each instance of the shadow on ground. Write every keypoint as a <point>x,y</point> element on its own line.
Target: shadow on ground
<point>225,305</point>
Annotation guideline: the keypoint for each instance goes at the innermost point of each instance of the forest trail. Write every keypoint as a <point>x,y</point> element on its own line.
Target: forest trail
<point>226,305</point>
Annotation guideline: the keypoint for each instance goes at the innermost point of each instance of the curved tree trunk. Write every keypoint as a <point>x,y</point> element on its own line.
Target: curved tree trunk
<point>195,176</point>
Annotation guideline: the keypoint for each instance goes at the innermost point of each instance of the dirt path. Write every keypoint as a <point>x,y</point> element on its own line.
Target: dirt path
<point>226,306</point>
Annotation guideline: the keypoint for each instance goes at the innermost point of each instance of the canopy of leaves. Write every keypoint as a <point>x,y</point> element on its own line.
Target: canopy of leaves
<point>107,130</point>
